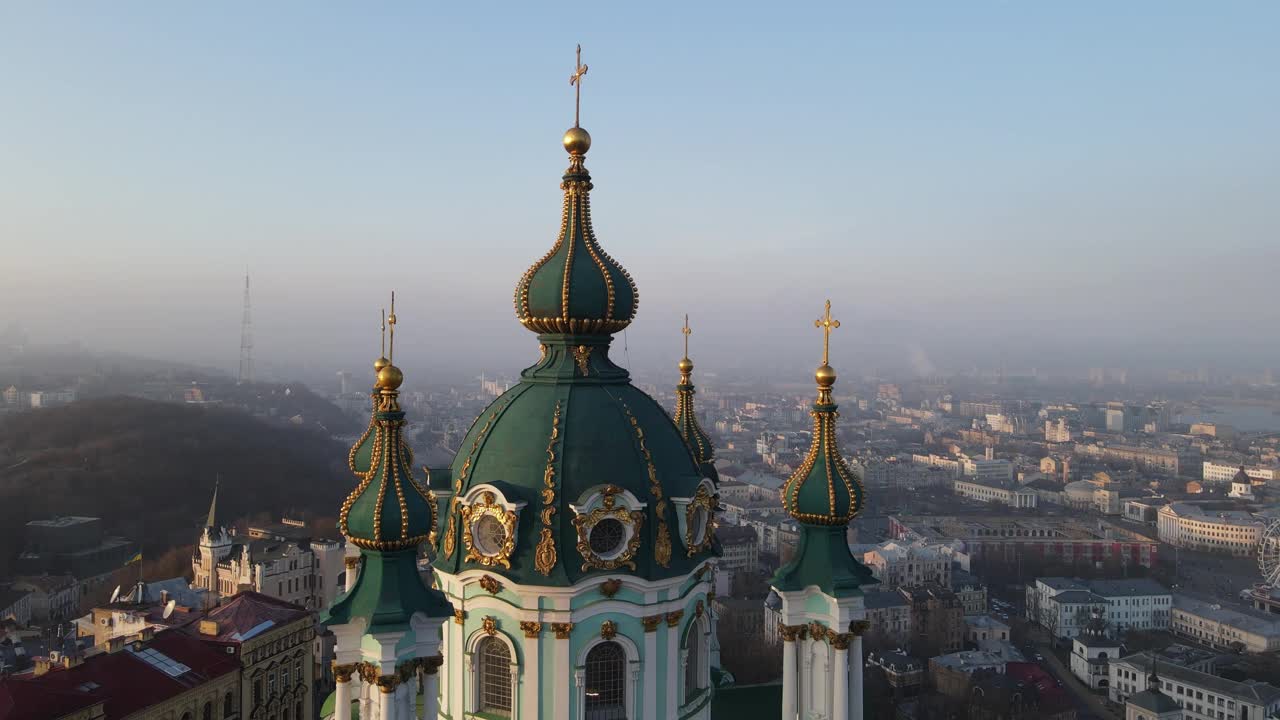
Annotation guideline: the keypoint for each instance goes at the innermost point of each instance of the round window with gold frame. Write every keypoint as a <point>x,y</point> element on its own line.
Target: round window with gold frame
<point>608,532</point>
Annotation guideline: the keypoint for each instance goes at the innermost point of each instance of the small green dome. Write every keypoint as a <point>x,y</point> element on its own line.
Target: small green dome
<point>823,490</point>
<point>576,287</point>
<point>389,509</point>
<point>572,428</point>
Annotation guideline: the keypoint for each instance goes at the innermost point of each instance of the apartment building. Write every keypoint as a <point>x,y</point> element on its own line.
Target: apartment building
<point>1201,695</point>
<point>1224,628</point>
<point>1199,527</point>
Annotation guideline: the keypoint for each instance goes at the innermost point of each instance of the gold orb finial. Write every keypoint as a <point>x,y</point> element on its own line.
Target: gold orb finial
<point>825,376</point>
<point>390,378</point>
<point>577,141</point>
<point>380,363</point>
<point>685,365</point>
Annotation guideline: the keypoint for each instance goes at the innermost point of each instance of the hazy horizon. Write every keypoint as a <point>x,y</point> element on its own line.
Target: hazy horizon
<point>987,185</point>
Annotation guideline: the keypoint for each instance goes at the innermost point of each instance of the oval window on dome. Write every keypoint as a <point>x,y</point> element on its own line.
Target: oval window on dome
<point>698,525</point>
<point>607,538</point>
<point>489,534</point>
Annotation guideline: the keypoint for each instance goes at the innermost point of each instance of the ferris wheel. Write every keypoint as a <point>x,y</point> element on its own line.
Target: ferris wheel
<point>1269,555</point>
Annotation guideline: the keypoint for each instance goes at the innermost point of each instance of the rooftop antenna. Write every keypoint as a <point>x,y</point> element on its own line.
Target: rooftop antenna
<point>168,608</point>
<point>115,594</point>
<point>246,339</point>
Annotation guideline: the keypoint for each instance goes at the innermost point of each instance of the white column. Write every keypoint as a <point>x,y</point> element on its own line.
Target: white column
<point>673,678</point>
<point>405,697</point>
<point>650,674</point>
<point>789,679</point>
<point>633,691</point>
<point>579,679</point>
<point>855,666</point>
<point>366,700</point>
<point>529,694</point>
<point>386,703</point>
<point>515,690</point>
<point>840,695</point>
<point>342,700</point>
<point>353,570</point>
<point>430,694</point>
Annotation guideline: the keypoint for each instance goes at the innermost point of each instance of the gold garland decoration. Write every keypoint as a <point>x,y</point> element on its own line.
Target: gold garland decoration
<point>544,558</point>
<point>662,544</point>
<point>450,535</point>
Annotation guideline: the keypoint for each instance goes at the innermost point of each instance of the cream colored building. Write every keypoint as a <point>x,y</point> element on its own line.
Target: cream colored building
<point>1018,497</point>
<point>1230,532</point>
<point>273,641</point>
<point>1224,628</point>
<point>897,564</point>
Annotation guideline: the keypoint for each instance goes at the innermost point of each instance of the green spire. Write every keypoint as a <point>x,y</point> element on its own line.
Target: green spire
<point>576,288</point>
<point>686,420</point>
<point>823,495</point>
<point>387,516</point>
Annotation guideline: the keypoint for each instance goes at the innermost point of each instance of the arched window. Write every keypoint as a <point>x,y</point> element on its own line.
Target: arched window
<point>208,711</point>
<point>297,710</point>
<point>692,641</point>
<point>228,705</point>
<point>494,681</point>
<point>605,689</point>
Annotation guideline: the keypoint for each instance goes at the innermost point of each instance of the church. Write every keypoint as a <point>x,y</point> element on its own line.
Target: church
<point>574,535</point>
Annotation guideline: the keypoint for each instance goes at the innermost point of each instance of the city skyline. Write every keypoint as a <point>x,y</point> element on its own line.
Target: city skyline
<point>1120,216</point>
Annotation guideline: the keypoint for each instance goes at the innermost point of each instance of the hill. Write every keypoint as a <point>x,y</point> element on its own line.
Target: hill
<point>148,469</point>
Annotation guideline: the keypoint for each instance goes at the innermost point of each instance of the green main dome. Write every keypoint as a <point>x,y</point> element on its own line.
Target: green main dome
<point>576,287</point>
<point>574,471</point>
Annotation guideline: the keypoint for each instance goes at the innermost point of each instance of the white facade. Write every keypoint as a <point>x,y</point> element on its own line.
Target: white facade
<point>1091,659</point>
<point>1057,431</point>
<point>897,564</point>
<point>304,575</point>
<point>1224,472</point>
<point>1230,532</point>
<point>1012,496</point>
<point>1201,695</point>
<point>1224,628</point>
<point>1064,606</point>
<point>821,654</point>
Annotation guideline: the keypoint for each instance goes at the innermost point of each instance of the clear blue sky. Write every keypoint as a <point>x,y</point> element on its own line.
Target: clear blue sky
<point>964,180</point>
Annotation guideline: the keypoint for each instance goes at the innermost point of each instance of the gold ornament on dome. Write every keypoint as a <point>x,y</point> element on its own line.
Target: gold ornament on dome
<point>662,543</point>
<point>562,630</point>
<point>489,625</point>
<point>459,616</point>
<point>582,356</point>
<point>488,506</point>
<point>705,502</point>
<point>531,628</point>
<point>631,520</point>
<point>608,630</point>
<point>544,556</point>
<point>610,587</point>
<point>673,618</point>
<point>490,585</point>
<point>450,535</point>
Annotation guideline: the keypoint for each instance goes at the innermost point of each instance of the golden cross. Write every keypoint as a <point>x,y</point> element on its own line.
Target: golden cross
<point>391,321</point>
<point>827,324</point>
<point>687,332</point>
<point>576,81</point>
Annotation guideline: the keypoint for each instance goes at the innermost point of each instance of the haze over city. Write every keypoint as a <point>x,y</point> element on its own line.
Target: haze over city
<point>976,184</point>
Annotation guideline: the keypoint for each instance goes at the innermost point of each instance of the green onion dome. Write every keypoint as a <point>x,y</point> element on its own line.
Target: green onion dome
<point>823,490</point>
<point>687,420</point>
<point>576,287</point>
<point>823,494</point>
<point>389,509</point>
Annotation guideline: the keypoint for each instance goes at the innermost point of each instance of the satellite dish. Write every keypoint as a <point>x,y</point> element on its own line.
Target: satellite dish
<point>168,608</point>
<point>115,594</point>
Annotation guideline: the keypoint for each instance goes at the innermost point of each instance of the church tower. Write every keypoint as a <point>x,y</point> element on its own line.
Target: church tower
<point>214,546</point>
<point>575,535</point>
<point>387,624</point>
<point>819,592</point>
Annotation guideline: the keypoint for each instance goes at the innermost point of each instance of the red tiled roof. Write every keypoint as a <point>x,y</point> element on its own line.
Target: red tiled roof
<point>247,611</point>
<point>123,680</point>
